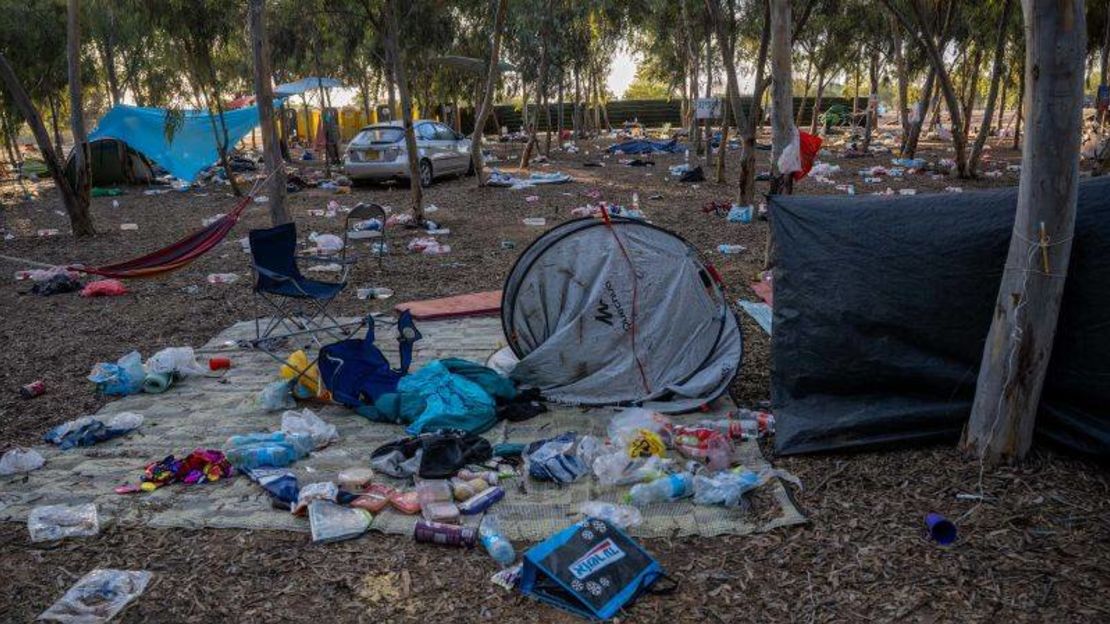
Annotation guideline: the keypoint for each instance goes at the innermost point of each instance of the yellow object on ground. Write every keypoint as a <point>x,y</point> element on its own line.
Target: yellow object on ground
<point>308,377</point>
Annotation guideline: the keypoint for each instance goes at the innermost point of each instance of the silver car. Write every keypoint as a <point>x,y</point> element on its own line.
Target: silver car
<point>378,152</point>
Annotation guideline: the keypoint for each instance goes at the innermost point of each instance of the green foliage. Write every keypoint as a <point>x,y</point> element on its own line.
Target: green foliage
<point>644,87</point>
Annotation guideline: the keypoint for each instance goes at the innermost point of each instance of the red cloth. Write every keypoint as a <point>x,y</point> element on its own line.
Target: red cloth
<point>808,146</point>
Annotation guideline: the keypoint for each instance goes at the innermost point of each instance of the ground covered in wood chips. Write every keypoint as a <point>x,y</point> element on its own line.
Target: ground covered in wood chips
<point>1034,549</point>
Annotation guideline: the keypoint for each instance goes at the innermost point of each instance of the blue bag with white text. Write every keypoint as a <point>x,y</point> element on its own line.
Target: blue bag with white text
<point>590,568</point>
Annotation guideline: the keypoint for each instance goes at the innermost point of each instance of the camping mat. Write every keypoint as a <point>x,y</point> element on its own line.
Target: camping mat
<point>204,411</point>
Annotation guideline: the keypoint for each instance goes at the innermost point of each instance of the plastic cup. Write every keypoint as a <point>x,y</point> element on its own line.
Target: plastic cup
<point>941,529</point>
<point>219,363</point>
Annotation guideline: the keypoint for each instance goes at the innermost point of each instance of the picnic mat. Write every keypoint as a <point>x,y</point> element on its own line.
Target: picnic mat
<point>471,304</point>
<point>202,412</point>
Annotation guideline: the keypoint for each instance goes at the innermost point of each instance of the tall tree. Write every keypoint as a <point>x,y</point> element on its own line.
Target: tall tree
<point>264,98</point>
<point>397,63</point>
<point>82,223</point>
<point>782,97</point>
<point>996,77</point>
<point>1019,344</point>
<point>492,72</point>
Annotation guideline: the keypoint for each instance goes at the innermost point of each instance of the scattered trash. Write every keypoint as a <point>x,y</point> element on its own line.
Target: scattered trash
<point>590,568</point>
<point>481,501</point>
<point>437,501</point>
<point>219,363</point>
<point>176,360</point>
<point>668,488</point>
<point>941,529</point>
<point>129,226</point>
<point>261,199</point>
<point>760,312</point>
<point>621,516</point>
<point>320,491</point>
<point>48,232</point>
<point>89,430</point>
<point>119,379</point>
<point>33,389</point>
<point>330,267</point>
<point>953,189</point>
<point>508,245</point>
<point>428,532</point>
<point>19,460</point>
<point>907,191</point>
<point>223,278</point>
<point>355,478</point>
<point>306,422</point>
<point>98,596</point>
<point>374,293</point>
<point>333,523</point>
<point>535,221</point>
<point>740,214</point>
<point>276,396</point>
<point>496,544</point>
<point>532,198</point>
<point>200,466</point>
<point>104,288</point>
<point>428,246</point>
<point>55,522</point>
<point>731,249</point>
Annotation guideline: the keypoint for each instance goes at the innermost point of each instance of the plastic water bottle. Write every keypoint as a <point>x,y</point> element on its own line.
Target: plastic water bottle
<point>730,249</point>
<point>498,546</point>
<point>671,487</point>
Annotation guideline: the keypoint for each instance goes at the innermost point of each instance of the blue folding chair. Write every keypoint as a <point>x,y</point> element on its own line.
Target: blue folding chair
<point>280,284</point>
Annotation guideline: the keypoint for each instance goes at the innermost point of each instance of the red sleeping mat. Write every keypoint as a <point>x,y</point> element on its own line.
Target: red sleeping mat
<point>473,304</point>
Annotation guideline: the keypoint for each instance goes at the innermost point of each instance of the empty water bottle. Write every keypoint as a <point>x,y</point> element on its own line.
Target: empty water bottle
<point>267,449</point>
<point>670,487</point>
<point>731,249</point>
<point>498,546</point>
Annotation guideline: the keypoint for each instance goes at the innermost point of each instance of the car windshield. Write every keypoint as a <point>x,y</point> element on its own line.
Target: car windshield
<point>379,135</point>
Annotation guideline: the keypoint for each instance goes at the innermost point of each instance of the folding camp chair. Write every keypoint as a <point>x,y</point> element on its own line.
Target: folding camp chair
<point>280,284</point>
<point>363,212</point>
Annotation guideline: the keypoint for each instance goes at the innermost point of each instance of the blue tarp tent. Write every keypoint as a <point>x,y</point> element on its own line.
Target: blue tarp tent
<point>306,84</point>
<point>193,144</point>
<point>646,146</point>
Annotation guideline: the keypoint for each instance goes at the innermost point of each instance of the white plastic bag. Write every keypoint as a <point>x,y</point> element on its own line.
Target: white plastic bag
<point>306,422</point>
<point>124,420</point>
<point>620,516</point>
<point>19,460</point>
<point>180,360</point>
<point>617,468</point>
<point>503,361</point>
<point>327,243</point>
<point>98,596</point>
<point>790,160</point>
<point>320,491</point>
<point>625,426</point>
<point>53,522</point>
<point>119,379</point>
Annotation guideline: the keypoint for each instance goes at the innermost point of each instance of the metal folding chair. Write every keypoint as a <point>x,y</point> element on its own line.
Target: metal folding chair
<point>279,283</point>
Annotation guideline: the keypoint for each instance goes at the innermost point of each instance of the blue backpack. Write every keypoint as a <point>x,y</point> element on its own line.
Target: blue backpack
<point>357,372</point>
<point>591,569</point>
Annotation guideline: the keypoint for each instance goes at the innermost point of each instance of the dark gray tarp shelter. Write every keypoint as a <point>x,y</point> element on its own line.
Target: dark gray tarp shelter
<point>619,314</point>
<point>114,162</point>
<point>881,311</point>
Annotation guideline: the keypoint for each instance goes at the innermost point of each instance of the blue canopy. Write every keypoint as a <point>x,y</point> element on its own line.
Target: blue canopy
<point>306,84</point>
<point>193,146</point>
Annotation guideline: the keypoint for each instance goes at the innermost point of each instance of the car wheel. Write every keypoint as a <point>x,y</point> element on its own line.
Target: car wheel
<point>425,173</point>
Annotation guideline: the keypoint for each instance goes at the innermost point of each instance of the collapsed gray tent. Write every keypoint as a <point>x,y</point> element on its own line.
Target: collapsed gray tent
<point>113,162</point>
<point>625,313</point>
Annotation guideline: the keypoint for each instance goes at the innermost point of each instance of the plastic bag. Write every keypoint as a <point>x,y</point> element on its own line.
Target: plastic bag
<point>327,243</point>
<point>503,361</point>
<point>98,596</point>
<point>625,427</point>
<point>620,516</point>
<point>306,422</point>
<point>332,523</point>
<point>320,491</point>
<point>119,379</point>
<point>180,360</point>
<point>19,460</point>
<point>276,396</point>
<point>618,468</point>
<point>724,488</point>
<point>53,522</point>
<point>125,421</point>
<point>104,288</point>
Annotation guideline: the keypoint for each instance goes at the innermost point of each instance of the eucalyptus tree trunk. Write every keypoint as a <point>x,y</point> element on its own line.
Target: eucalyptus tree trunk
<point>1019,344</point>
<point>1020,113</point>
<point>972,88</point>
<point>996,75</point>
<point>909,141</point>
<point>393,46</point>
<point>872,99</point>
<point>782,81</point>
<point>487,94</point>
<point>817,100</point>
<point>264,97</point>
<point>79,215</point>
<point>732,86</point>
<point>901,68</point>
<point>56,125</point>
